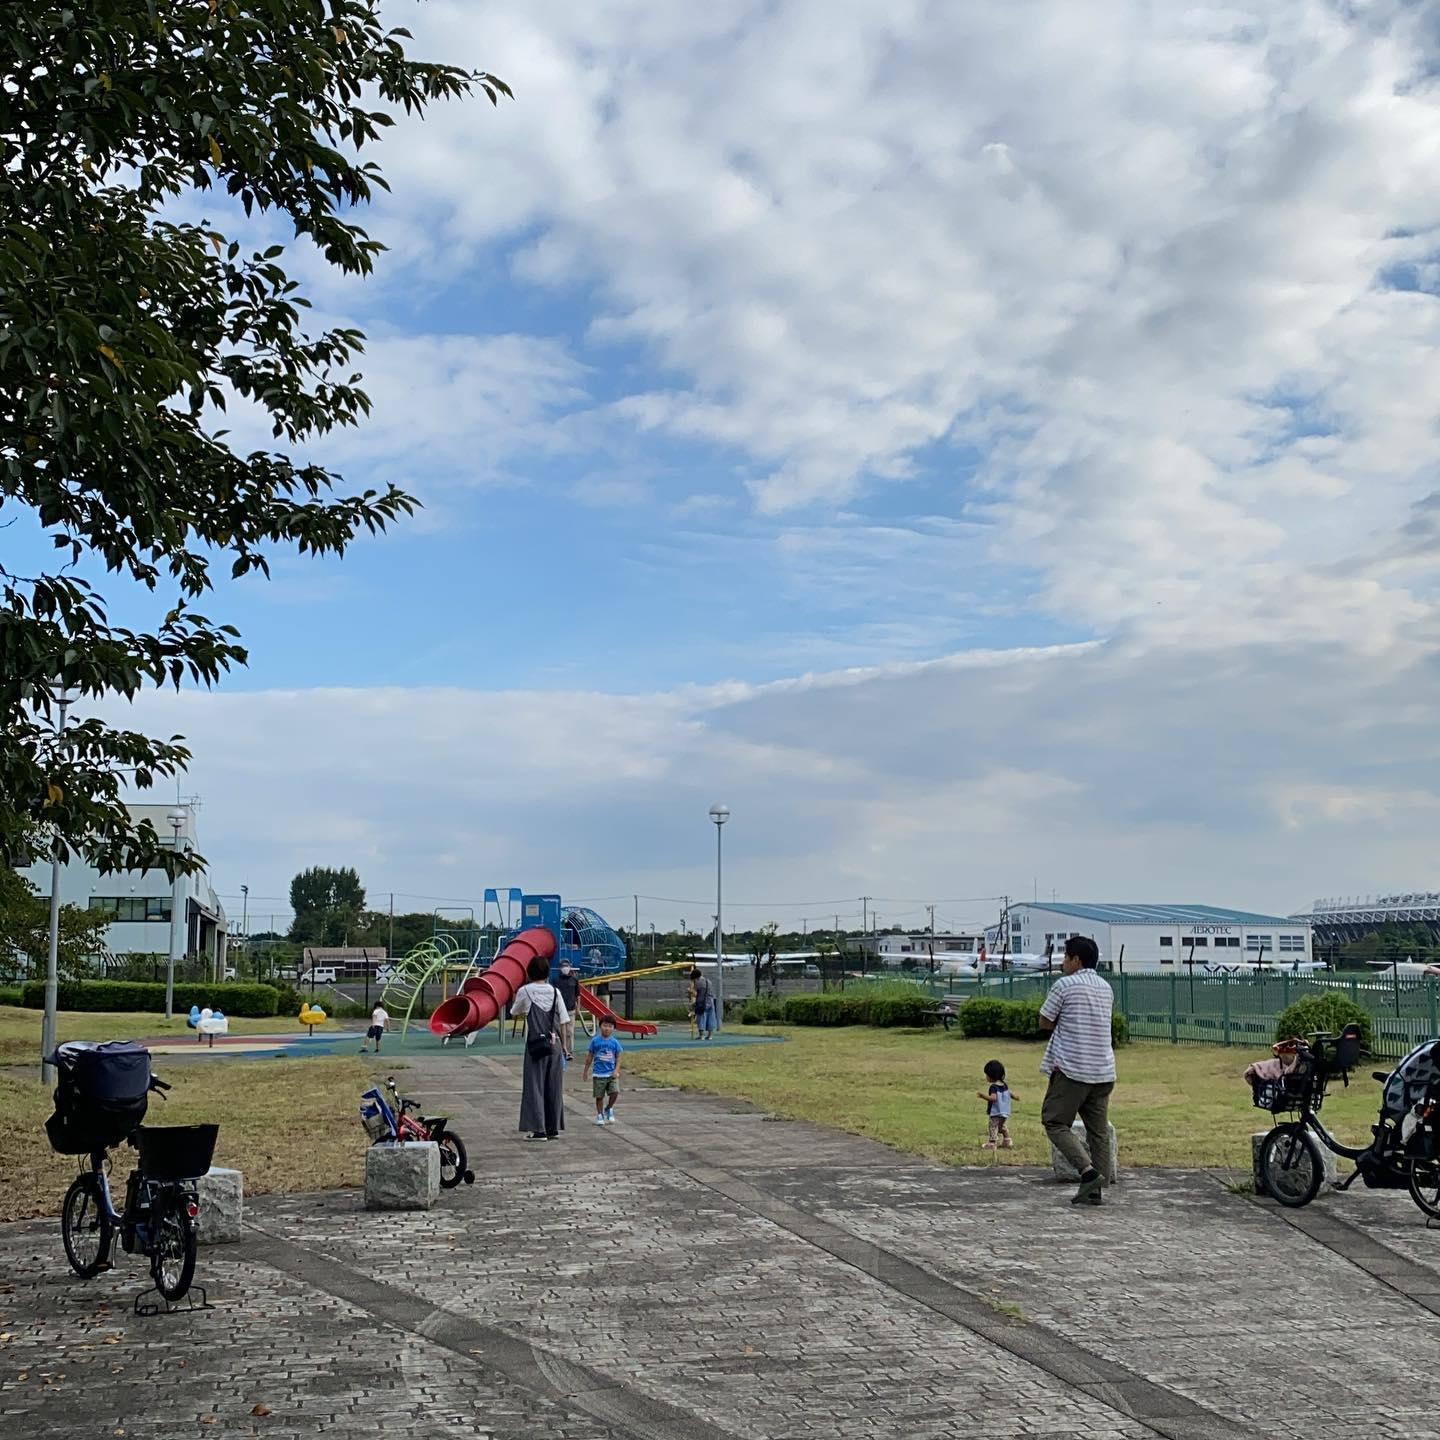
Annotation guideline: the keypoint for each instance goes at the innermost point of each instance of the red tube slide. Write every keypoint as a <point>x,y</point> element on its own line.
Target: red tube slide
<point>601,1011</point>
<point>483,997</point>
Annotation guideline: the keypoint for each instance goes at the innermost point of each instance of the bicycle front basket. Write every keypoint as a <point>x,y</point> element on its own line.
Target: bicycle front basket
<point>175,1152</point>
<point>1272,1095</point>
<point>1285,1093</point>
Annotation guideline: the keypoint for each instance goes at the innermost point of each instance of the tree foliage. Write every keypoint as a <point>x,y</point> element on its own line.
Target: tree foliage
<point>25,932</point>
<point>126,330</point>
<point>327,904</point>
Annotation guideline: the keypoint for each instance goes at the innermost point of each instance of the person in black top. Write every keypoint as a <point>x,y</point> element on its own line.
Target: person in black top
<point>704,1003</point>
<point>568,984</point>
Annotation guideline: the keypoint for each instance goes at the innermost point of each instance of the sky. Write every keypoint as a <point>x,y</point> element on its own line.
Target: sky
<point>990,447</point>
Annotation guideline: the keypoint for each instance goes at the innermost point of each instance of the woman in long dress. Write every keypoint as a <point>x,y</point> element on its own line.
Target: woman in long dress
<point>542,1095</point>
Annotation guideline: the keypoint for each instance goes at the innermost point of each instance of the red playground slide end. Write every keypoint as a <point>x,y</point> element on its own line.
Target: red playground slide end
<point>483,997</point>
<point>601,1011</point>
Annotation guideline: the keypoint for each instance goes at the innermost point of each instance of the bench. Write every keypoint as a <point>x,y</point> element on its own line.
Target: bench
<point>945,1014</point>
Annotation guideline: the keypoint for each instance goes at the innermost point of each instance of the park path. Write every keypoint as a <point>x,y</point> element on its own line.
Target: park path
<point>702,1270</point>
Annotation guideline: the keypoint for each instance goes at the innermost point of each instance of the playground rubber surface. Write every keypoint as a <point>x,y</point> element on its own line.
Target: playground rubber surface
<point>419,1042</point>
<point>701,1270</point>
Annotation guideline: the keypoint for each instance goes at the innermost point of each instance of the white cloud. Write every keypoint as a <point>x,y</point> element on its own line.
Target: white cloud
<point>1114,249</point>
<point>1108,279</point>
<point>1232,775</point>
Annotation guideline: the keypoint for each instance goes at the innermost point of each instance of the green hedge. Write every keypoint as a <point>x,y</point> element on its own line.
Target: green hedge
<point>234,997</point>
<point>827,1010</point>
<point>9,994</point>
<point>1330,1013</point>
<point>900,1009</point>
<point>983,1017</point>
<point>762,1010</point>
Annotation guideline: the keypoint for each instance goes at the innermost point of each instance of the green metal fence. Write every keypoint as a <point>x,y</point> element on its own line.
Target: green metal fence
<point>1243,1009</point>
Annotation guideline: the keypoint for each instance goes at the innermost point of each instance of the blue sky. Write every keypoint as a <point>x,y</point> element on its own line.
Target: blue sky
<point>991,446</point>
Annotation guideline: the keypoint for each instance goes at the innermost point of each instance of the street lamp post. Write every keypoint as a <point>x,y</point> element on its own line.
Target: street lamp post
<point>177,918</point>
<point>52,957</point>
<point>719,814</point>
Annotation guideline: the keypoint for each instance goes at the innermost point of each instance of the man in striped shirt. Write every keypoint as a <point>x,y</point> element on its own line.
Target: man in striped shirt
<point>1080,1061</point>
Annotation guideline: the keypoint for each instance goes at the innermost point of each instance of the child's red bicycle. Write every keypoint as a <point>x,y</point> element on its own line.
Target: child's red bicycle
<point>385,1122</point>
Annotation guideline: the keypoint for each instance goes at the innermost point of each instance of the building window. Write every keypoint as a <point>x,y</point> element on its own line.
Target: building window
<point>1197,942</point>
<point>1259,944</point>
<point>1292,942</point>
<point>1167,940</point>
<point>131,908</point>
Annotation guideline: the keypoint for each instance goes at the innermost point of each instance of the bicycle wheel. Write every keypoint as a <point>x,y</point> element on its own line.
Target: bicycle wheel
<point>1425,1186</point>
<point>85,1227</point>
<point>1290,1165</point>
<point>452,1159</point>
<point>172,1253</point>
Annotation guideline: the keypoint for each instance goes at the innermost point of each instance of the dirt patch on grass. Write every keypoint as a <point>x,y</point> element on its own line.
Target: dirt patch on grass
<point>289,1125</point>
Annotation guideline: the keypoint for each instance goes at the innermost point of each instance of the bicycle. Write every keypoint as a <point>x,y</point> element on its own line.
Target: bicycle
<point>99,1103</point>
<point>1404,1152</point>
<point>385,1123</point>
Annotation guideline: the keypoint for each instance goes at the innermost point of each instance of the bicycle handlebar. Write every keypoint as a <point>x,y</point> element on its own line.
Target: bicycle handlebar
<point>157,1084</point>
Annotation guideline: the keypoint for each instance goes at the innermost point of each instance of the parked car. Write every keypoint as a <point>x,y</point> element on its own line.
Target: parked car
<point>321,975</point>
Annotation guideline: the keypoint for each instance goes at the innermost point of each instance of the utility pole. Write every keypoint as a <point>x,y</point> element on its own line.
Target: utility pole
<point>390,945</point>
<point>636,930</point>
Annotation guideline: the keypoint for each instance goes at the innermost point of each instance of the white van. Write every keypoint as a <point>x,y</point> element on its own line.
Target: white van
<point>322,975</point>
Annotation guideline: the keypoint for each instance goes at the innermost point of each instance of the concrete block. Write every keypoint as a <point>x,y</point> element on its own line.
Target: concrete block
<point>1108,1164</point>
<point>1331,1171</point>
<point>222,1206</point>
<point>402,1177</point>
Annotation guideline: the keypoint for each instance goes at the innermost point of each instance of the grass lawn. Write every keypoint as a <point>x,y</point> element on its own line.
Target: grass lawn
<point>290,1125</point>
<point>20,1029</point>
<point>1184,1105</point>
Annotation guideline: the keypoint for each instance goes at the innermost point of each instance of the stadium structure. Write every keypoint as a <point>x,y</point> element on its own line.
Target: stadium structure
<point>1336,921</point>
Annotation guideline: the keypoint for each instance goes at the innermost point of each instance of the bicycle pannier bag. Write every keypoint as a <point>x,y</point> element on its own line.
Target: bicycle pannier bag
<point>100,1097</point>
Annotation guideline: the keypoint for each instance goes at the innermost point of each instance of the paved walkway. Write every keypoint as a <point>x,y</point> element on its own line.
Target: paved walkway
<point>700,1270</point>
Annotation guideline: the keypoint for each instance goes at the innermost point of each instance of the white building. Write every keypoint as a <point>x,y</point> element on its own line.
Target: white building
<point>143,902</point>
<point>897,950</point>
<point>1158,937</point>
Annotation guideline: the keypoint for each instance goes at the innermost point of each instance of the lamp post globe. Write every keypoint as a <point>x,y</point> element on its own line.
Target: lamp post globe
<point>719,814</point>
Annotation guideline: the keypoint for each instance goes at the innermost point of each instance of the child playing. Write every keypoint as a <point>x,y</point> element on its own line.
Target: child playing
<point>604,1058</point>
<point>997,1098</point>
<point>379,1018</point>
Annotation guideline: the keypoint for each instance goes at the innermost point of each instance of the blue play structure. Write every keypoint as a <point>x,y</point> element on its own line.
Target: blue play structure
<point>581,936</point>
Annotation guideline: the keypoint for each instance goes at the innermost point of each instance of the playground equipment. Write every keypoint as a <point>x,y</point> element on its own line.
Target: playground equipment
<point>209,1023</point>
<point>483,997</point>
<point>556,933</point>
<point>601,1011</point>
<point>311,1016</point>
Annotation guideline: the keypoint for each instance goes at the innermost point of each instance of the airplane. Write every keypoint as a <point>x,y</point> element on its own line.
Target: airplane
<point>1410,968</point>
<point>1020,964</point>
<point>1297,966</point>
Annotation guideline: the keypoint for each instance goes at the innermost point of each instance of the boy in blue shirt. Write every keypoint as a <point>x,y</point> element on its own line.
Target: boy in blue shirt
<point>603,1058</point>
